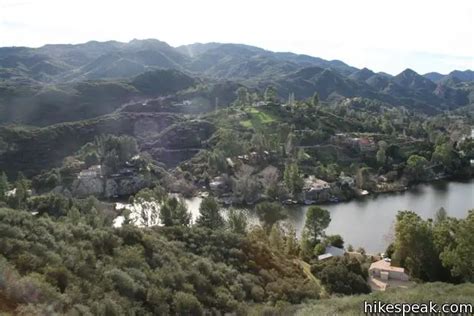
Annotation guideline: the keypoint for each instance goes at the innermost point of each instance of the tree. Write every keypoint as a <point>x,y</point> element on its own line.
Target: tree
<point>111,162</point>
<point>228,143</point>
<point>187,304</point>
<point>340,276</point>
<point>317,220</point>
<point>173,212</point>
<point>18,200</point>
<point>381,156</point>
<point>291,99</point>
<point>315,99</point>
<point>335,241</point>
<point>276,237</point>
<point>242,96</point>
<point>3,146</point>
<point>414,246</point>
<point>216,161</point>
<point>269,213</point>
<point>319,249</point>
<point>291,242</point>
<point>270,182</point>
<point>460,257</point>
<point>361,250</point>
<point>416,166</point>
<point>443,154</point>
<point>290,143</point>
<point>237,221</point>
<point>292,178</point>
<point>259,142</point>
<point>247,188</point>
<point>91,159</point>
<point>270,94</point>
<point>3,186</point>
<point>441,215</point>
<point>363,178</point>
<point>209,215</point>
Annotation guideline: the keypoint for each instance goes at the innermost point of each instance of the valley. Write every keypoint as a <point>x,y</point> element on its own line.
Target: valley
<point>225,178</point>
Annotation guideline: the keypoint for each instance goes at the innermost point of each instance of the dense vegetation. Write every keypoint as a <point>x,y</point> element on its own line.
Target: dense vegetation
<point>150,124</point>
<point>435,250</point>
<point>73,261</point>
<point>437,292</point>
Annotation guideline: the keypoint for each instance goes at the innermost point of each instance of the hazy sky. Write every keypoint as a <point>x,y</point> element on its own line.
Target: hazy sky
<point>425,35</point>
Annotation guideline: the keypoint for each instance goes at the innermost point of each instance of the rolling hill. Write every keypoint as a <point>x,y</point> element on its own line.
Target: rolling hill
<point>57,83</point>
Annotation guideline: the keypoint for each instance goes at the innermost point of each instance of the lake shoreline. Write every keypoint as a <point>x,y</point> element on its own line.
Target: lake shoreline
<point>395,190</point>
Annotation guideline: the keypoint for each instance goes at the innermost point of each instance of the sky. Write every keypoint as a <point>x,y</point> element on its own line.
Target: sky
<point>383,35</point>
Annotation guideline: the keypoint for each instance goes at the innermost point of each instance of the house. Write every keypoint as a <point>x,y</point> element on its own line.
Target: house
<point>126,172</point>
<point>260,103</point>
<point>330,252</point>
<point>218,185</point>
<point>315,184</point>
<point>12,193</point>
<point>366,144</point>
<point>92,172</point>
<point>384,271</point>
<point>315,189</point>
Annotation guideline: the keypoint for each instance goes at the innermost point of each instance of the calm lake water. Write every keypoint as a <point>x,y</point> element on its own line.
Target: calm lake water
<point>368,222</point>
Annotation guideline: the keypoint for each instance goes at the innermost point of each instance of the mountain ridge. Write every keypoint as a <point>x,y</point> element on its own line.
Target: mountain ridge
<point>52,66</point>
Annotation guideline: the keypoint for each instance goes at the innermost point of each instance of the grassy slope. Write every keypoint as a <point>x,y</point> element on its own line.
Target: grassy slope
<point>352,305</point>
<point>257,118</point>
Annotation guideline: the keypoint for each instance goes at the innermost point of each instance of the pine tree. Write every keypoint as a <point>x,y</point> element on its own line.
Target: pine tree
<point>237,221</point>
<point>317,220</point>
<point>291,242</point>
<point>166,212</point>
<point>174,212</point>
<point>275,238</point>
<point>315,99</point>
<point>292,178</point>
<point>21,191</point>
<point>242,96</point>
<point>209,215</point>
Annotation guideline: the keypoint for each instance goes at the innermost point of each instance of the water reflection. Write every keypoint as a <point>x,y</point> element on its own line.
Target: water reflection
<point>368,222</point>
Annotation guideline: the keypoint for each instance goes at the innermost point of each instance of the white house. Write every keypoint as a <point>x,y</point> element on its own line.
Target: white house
<point>93,172</point>
<point>384,270</point>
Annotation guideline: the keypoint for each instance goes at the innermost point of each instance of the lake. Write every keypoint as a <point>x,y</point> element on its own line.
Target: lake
<point>368,222</point>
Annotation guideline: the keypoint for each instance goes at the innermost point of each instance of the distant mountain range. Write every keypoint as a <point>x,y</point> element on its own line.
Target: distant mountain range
<point>59,67</point>
<point>454,76</point>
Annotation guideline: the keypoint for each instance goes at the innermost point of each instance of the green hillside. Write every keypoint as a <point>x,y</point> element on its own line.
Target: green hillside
<point>437,292</point>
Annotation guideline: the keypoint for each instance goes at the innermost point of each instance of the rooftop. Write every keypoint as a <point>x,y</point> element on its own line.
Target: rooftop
<point>325,256</point>
<point>313,183</point>
<point>385,265</point>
